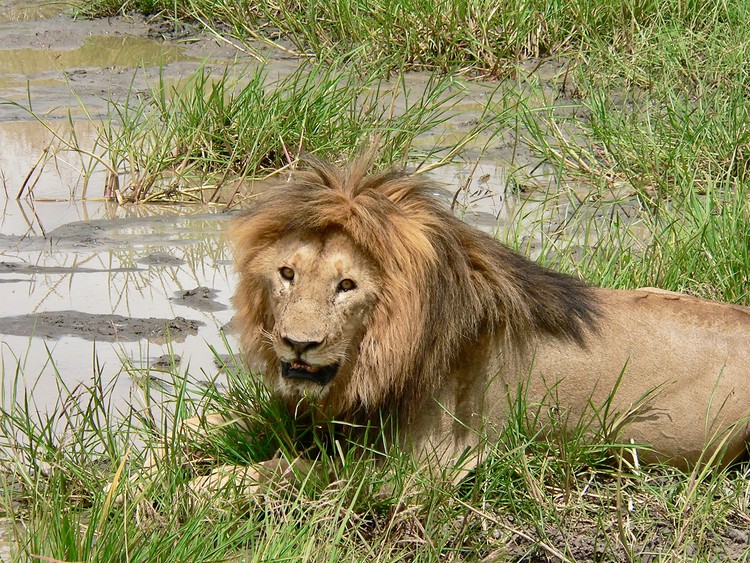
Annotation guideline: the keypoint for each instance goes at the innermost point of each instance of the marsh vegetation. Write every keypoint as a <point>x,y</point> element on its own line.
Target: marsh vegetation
<point>623,132</point>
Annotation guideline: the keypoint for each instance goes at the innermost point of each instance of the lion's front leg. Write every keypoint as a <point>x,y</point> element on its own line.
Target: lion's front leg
<point>247,483</point>
<point>194,435</point>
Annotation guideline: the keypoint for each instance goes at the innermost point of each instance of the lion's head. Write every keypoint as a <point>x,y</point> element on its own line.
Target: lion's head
<point>358,291</point>
<point>321,291</point>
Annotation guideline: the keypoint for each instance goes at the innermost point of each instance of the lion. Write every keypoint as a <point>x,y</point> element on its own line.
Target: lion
<point>362,298</point>
<point>362,294</point>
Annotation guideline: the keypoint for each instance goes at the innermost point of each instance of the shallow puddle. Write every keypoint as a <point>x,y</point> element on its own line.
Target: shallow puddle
<point>102,51</point>
<point>58,67</point>
<point>88,287</point>
<point>34,164</point>
<point>94,283</point>
<point>19,10</point>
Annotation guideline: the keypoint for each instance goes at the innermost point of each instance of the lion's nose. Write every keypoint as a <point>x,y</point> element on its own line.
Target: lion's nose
<point>300,346</point>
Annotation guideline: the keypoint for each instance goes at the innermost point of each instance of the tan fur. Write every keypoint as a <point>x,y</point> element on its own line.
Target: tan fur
<point>446,327</point>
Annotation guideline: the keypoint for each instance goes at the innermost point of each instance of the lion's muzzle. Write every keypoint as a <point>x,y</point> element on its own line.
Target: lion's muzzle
<point>297,369</point>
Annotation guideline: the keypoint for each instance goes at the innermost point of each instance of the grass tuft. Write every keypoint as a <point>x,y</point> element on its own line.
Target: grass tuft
<point>186,142</point>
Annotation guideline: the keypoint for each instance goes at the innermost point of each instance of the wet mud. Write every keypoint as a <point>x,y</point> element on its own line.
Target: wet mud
<point>57,60</point>
<point>99,327</point>
<point>201,298</point>
<point>32,269</point>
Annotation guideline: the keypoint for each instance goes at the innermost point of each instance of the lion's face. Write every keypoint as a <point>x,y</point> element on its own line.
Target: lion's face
<point>320,292</point>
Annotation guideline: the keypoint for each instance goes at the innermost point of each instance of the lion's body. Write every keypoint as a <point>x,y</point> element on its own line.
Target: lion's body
<point>662,370</point>
<point>361,295</point>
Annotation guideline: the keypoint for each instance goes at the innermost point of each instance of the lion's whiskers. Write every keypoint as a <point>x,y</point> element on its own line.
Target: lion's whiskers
<point>266,338</point>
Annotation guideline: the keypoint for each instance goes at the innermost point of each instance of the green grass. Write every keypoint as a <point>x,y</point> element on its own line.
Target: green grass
<point>650,95</point>
<point>195,140</point>
<point>696,243</point>
<point>557,498</point>
<point>483,36</point>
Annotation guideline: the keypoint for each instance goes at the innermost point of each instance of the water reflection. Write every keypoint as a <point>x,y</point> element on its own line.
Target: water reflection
<point>98,259</point>
<point>33,161</point>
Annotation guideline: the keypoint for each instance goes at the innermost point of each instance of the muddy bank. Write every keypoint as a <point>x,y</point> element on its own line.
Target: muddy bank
<point>59,60</point>
<point>201,298</point>
<point>100,328</point>
<point>31,269</point>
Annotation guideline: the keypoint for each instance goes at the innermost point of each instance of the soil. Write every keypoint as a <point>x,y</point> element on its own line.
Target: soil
<point>99,60</point>
<point>31,269</point>
<point>201,298</point>
<point>101,328</point>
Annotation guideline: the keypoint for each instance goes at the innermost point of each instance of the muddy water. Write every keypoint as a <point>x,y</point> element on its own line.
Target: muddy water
<point>85,284</point>
<point>84,281</point>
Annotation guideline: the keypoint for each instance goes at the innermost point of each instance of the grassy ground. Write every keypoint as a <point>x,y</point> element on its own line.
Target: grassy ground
<point>534,501</point>
<point>186,142</point>
<point>639,111</point>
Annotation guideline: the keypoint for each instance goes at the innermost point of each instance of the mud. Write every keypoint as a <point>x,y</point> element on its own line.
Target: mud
<point>59,59</point>
<point>66,70</point>
<point>99,327</point>
<point>31,269</point>
<point>201,298</point>
<point>6,533</point>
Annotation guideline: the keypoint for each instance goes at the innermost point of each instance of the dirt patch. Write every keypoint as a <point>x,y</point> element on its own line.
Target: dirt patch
<point>31,269</point>
<point>5,538</point>
<point>102,328</point>
<point>98,59</point>
<point>161,259</point>
<point>201,298</point>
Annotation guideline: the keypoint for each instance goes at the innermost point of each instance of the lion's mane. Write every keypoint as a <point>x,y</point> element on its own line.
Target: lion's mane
<point>447,291</point>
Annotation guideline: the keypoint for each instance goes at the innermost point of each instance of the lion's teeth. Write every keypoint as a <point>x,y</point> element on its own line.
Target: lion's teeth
<point>303,366</point>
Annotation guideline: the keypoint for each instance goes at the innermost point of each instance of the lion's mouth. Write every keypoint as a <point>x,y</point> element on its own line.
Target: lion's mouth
<point>298,369</point>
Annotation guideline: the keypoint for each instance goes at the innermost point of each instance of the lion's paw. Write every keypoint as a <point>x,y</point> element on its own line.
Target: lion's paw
<point>248,483</point>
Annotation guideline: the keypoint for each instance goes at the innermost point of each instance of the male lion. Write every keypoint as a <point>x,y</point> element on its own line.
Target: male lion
<point>362,296</point>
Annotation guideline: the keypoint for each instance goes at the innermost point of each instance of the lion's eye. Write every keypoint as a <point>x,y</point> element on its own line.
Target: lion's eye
<point>286,273</point>
<point>346,285</point>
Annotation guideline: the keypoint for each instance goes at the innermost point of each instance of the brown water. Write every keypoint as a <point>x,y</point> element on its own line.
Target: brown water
<point>86,286</point>
<point>85,282</point>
